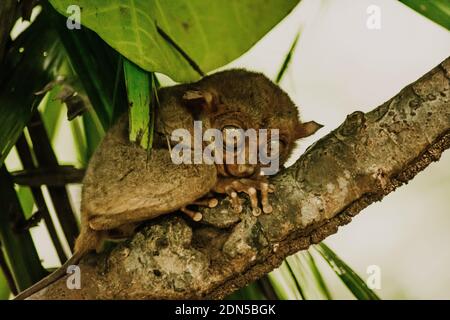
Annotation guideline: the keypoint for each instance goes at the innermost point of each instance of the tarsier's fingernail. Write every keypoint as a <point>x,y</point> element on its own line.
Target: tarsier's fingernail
<point>235,202</point>
<point>267,208</point>
<point>237,209</point>
<point>194,215</point>
<point>256,212</point>
<point>197,216</point>
<point>254,201</point>
<point>212,203</point>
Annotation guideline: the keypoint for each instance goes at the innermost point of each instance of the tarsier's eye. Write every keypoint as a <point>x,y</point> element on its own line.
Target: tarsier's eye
<point>232,136</point>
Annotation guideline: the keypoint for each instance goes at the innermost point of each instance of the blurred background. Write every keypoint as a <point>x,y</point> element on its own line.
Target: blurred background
<point>340,66</point>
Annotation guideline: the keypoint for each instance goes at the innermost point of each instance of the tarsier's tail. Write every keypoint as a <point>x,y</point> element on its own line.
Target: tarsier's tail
<point>88,240</point>
<point>48,280</point>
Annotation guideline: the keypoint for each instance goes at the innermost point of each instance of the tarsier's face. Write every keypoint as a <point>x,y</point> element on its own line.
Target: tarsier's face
<point>251,149</point>
<point>254,124</point>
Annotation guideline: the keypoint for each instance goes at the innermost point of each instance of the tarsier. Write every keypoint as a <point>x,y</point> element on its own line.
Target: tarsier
<point>124,185</point>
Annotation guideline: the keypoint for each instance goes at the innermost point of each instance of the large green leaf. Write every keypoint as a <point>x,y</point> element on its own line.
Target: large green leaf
<point>211,33</point>
<point>436,10</point>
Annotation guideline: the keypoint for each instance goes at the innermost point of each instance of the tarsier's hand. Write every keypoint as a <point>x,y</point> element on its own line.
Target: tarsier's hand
<point>233,186</point>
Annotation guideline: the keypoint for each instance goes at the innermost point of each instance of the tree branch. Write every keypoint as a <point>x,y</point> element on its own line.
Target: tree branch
<point>367,157</point>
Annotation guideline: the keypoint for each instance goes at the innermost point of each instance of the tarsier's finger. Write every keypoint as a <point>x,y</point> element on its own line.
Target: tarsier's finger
<point>267,208</point>
<point>235,201</point>
<point>271,188</point>
<point>207,202</point>
<point>213,202</point>
<point>254,201</point>
<point>194,215</point>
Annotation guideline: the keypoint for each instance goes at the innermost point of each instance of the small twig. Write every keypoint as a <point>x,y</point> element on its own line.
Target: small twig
<point>54,177</point>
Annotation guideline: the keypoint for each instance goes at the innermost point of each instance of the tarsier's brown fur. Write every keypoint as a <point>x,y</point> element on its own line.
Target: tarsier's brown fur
<point>124,185</point>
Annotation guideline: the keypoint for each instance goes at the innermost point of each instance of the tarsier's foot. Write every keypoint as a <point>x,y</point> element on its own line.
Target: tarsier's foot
<point>203,202</point>
<point>251,187</point>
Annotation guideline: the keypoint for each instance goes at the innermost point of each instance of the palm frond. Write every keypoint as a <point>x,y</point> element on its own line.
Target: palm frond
<point>349,277</point>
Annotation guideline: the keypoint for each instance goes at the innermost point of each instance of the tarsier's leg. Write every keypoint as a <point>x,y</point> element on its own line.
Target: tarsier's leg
<point>250,187</point>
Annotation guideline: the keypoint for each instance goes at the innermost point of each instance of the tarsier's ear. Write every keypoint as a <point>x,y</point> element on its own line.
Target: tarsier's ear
<point>200,99</point>
<point>306,129</point>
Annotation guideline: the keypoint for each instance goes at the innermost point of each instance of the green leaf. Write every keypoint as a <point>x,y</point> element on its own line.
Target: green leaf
<point>138,84</point>
<point>308,276</point>
<point>51,112</point>
<point>79,140</point>
<point>4,288</point>
<point>211,33</point>
<point>287,59</point>
<point>284,283</point>
<point>26,200</point>
<point>294,279</point>
<point>352,281</point>
<point>435,10</point>
<point>321,285</point>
